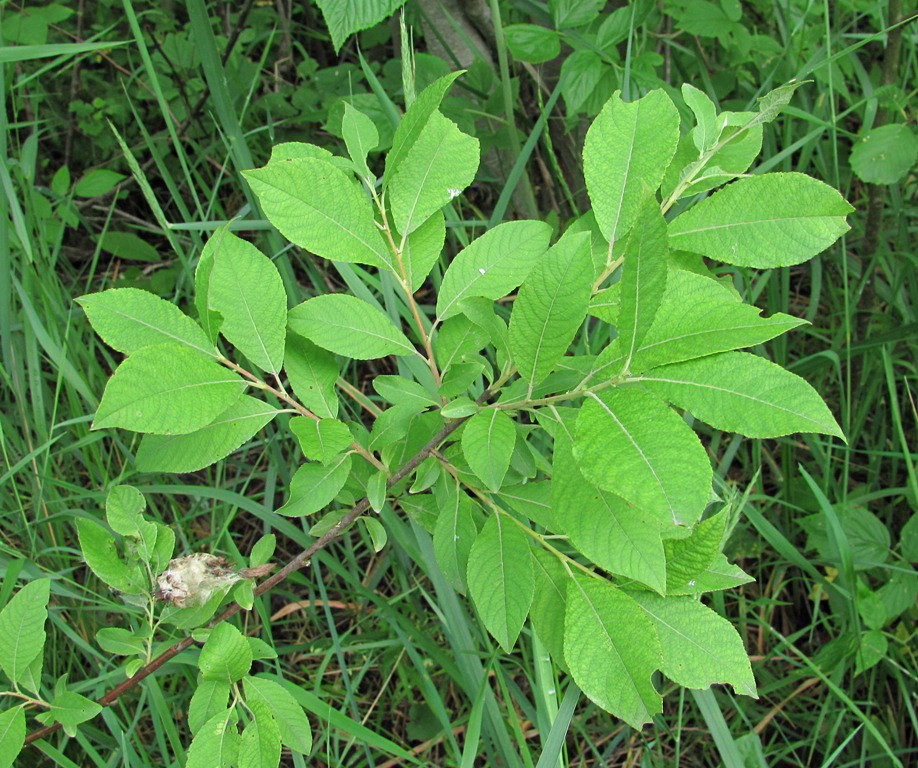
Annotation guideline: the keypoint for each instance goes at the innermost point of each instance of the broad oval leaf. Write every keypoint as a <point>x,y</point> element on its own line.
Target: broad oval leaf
<point>321,440</point>
<point>500,578</point>
<point>454,535</point>
<point>699,646</point>
<point>550,306</point>
<point>260,742</point>
<point>209,699</point>
<point>314,486</point>
<point>347,326</point>
<point>440,164</point>
<point>632,444</point>
<point>246,289</point>
<point>129,318</point>
<point>22,628</point>
<point>493,265</point>
<point>772,220</point>
<point>626,151</point>
<point>422,249</point>
<point>291,719</point>
<point>360,137</point>
<point>745,393</point>
<point>885,154</point>
<point>316,206</point>
<point>216,745</point>
<point>12,734</point>
<point>215,441</point>
<point>345,17</point>
<point>226,655</point>
<point>549,602</point>
<point>166,389</point>
<point>611,649</point>
<point>312,372</point>
<point>487,444</point>
<point>100,554</point>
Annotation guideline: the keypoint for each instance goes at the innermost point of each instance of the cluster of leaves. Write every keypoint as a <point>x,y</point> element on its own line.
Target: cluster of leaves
<point>575,495</point>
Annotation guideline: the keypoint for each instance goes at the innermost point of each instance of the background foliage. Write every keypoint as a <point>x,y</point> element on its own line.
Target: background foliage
<point>126,128</point>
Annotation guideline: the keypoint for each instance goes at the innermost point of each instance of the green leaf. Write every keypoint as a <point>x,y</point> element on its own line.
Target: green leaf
<point>615,535</point>
<point>706,131</point>
<point>316,206</point>
<point>98,548</point>
<point>345,17</point>
<point>532,43</point>
<point>97,182</point>
<point>634,445</point>
<point>401,391</point>
<point>166,389</point>
<point>216,745</point>
<point>246,289</point>
<point>454,534</point>
<point>12,735</point>
<point>458,339</point>
<point>884,155</point>
<point>120,641</point>
<point>347,326</point>
<point>626,151</point>
<point>70,709</point>
<point>699,647</point>
<point>687,559</point>
<point>314,486</point>
<point>487,444</point>
<point>376,531</point>
<point>719,574</point>
<point>745,393</point>
<point>611,649</point>
<point>551,306</point>
<point>439,165</point>
<point>493,265</point>
<point>574,13</point>
<point>210,321</point>
<point>22,628</point>
<point>423,248</point>
<point>123,505</point>
<point>260,743</point>
<point>413,122</point>
<point>128,246</point>
<point>291,720</point>
<point>199,449</point>
<point>772,220</point>
<point>360,137</point>
<point>377,490</point>
<point>321,440</point>
<point>262,550</point>
<point>128,319</point>
<point>549,602</point>
<point>643,279</point>
<point>312,373</point>
<point>500,578</point>
<point>210,698</point>
<point>532,500</point>
<point>226,655</point>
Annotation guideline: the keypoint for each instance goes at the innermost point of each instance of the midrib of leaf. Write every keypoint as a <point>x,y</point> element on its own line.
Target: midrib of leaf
<point>621,194</point>
<point>261,343</point>
<point>635,548</point>
<point>641,452</point>
<point>420,187</point>
<point>681,634</point>
<point>751,222</point>
<point>368,332</point>
<point>716,388</point>
<point>612,645</point>
<point>17,644</point>
<point>503,574</point>
<point>545,323</point>
<point>334,221</point>
<point>165,333</point>
<point>221,422</point>
<point>164,392</point>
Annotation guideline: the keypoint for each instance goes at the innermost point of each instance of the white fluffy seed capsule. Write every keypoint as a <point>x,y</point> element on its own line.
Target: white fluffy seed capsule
<point>193,579</point>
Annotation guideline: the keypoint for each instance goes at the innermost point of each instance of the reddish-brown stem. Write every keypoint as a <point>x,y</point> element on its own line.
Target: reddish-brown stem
<point>293,565</point>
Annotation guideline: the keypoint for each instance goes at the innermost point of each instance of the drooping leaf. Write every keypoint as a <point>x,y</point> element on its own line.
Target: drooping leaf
<point>766,221</point>
<point>493,264</point>
<point>626,151</point>
<point>885,154</point>
<point>413,122</point>
<point>611,649</point>
<point>314,486</point>
<point>745,393</point>
<point>549,602</point>
<point>699,647</point>
<point>70,709</point>
<point>260,742</point>
<point>216,744</point>
<point>718,575</point>
<point>291,720</point>
<point>123,506</point>
<point>423,248</point>
<point>22,628</point>
<point>128,319</point>
<point>487,444</point>
<point>345,325</point>
<point>215,441</point>
<point>345,17</point>
<point>454,535</point>
<point>120,641</point>
<point>614,534</point>
<point>688,558</point>
<point>247,290</point>
<point>98,548</point>
<point>166,389</point>
<point>12,734</point>
<point>312,372</point>
<point>500,579</point>
<point>439,165</point>
<point>316,206</point>
<point>209,698</point>
<point>550,306</point>
<point>209,320</point>
<point>632,444</point>
<point>706,133</point>
<point>643,280</point>
<point>226,655</point>
<point>360,137</point>
<point>321,440</point>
